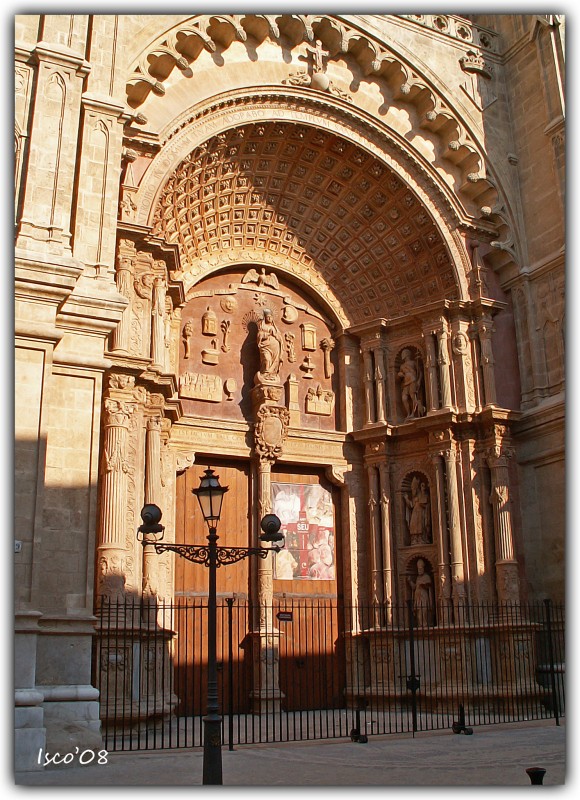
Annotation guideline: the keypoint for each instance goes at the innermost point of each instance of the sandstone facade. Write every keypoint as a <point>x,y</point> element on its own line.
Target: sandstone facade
<point>391,190</point>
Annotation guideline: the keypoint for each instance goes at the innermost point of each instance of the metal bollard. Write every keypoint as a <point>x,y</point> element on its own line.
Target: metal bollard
<point>536,775</point>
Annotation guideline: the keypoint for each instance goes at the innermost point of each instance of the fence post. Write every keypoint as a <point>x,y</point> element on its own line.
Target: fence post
<point>412,682</point>
<point>230,602</point>
<point>548,606</point>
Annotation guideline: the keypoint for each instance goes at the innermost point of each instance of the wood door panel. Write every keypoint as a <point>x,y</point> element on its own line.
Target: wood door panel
<point>233,528</point>
<point>191,587</point>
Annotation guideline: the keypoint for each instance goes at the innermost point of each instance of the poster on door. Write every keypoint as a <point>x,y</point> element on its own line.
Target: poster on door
<point>307,516</point>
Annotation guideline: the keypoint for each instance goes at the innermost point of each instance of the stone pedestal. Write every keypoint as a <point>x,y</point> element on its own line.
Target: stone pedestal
<point>266,696</point>
<point>30,733</point>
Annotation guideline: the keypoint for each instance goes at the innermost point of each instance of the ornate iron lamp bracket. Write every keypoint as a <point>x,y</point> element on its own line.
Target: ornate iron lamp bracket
<point>199,554</point>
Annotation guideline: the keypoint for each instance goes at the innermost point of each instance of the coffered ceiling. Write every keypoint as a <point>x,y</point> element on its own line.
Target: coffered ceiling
<point>313,199</point>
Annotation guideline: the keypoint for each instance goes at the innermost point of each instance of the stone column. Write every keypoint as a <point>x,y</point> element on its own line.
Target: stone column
<point>450,457</point>
<point>375,544</point>
<point>111,551</point>
<point>369,387</point>
<point>380,377</point>
<point>444,361</point>
<point>506,565</point>
<point>158,324</point>
<point>270,433</point>
<point>124,277</point>
<point>485,329</point>
<point>431,363</point>
<point>386,542</point>
<point>152,495</point>
<point>443,543</point>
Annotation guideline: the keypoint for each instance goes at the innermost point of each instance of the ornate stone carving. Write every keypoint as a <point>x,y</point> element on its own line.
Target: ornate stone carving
<point>197,386</point>
<point>418,508</point>
<point>225,329</point>
<point>308,332</point>
<point>271,346</point>
<point>118,380</point>
<point>289,339</point>
<point>210,355</point>
<point>319,401</point>
<point>271,431</point>
<point>410,374</point>
<point>143,285</point>
<point>261,278</point>
<point>186,335</point>
<point>307,367</point>
<point>184,460</point>
<point>364,176</point>
<point>209,323</point>
<point>327,345</point>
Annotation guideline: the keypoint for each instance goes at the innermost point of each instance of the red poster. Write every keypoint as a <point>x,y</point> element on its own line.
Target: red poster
<point>307,517</point>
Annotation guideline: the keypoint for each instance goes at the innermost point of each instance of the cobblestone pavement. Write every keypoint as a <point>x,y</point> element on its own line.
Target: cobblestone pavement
<point>492,756</point>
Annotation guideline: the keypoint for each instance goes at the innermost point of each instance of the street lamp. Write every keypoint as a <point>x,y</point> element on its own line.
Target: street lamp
<point>210,496</point>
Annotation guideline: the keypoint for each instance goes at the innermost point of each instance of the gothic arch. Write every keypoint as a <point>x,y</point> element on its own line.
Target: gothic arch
<point>399,75</point>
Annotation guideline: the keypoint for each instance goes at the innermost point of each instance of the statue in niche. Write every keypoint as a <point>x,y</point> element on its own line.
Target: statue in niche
<point>411,378</point>
<point>422,588</point>
<point>418,516</point>
<point>270,345</point>
<point>187,334</point>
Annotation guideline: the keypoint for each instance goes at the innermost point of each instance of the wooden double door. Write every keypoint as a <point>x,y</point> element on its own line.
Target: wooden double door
<point>306,608</point>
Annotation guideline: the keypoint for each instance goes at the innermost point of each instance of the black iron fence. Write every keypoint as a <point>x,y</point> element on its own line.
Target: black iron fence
<point>318,669</point>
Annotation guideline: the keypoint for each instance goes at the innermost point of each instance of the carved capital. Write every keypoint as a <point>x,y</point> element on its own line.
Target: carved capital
<point>118,413</point>
<point>155,423</point>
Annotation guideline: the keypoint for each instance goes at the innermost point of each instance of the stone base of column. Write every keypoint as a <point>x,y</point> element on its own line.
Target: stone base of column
<point>507,581</point>
<point>266,701</point>
<point>29,731</point>
<point>266,696</point>
<point>71,718</point>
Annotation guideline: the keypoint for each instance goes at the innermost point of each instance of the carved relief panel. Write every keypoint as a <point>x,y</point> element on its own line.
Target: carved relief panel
<point>245,327</point>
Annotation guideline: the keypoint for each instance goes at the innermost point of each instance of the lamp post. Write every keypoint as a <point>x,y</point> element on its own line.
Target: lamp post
<point>210,495</point>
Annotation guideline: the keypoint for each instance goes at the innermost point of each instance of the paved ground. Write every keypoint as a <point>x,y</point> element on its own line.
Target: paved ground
<point>492,756</point>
